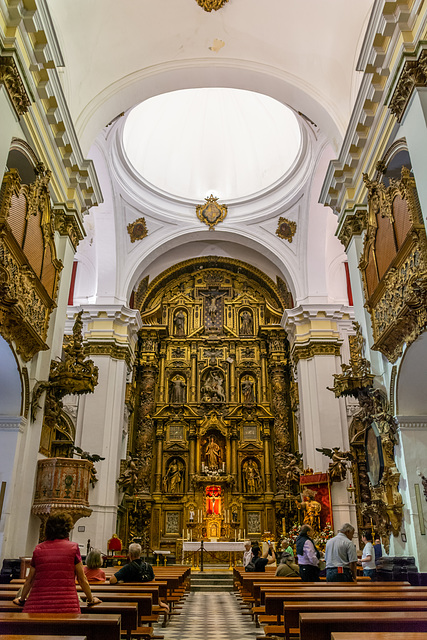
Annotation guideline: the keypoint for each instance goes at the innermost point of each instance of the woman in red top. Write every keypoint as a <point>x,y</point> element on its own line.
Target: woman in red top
<point>55,565</point>
<point>93,571</point>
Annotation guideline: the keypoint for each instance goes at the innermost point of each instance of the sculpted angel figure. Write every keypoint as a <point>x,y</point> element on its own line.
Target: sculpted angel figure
<point>340,460</point>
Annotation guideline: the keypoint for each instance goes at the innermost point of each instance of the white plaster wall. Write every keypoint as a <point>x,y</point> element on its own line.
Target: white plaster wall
<point>9,127</point>
<point>99,430</point>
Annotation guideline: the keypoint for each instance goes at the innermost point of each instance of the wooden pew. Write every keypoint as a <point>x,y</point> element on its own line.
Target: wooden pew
<point>319,626</point>
<point>22,637</point>
<point>127,610</point>
<point>292,611</point>
<point>379,636</point>
<point>93,626</point>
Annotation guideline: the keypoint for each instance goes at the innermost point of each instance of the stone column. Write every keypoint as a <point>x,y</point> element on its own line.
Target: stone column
<point>159,457</point>
<point>233,372</point>
<point>411,456</point>
<point>162,390</point>
<point>234,461</point>
<point>264,380</point>
<point>110,334</point>
<point>193,388</point>
<point>316,335</point>
<point>192,461</point>
<point>267,469</point>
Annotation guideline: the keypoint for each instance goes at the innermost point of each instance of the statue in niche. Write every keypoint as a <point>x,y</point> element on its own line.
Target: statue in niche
<point>252,477</point>
<point>213,389</point>
<point>246,323</point>
<point>172,481</point>
<point>179,324</point>
<point>213,454</point>
<point>248,391</point>
<point>177,390</point>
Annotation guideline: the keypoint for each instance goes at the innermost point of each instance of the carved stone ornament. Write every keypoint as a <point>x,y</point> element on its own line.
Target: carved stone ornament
<point>398,303</point>
<point>28,284</point>
<point>211,5</point>
<point>353,225</point>
<point>137,230</point>
<point>286,229</point>
<point>211,213</point>
<point>414,74</point>
<point>11,79</point>
<point>356,375</point>
<point>315,348</point>
<point>67,225</point>
<point>338,467</point>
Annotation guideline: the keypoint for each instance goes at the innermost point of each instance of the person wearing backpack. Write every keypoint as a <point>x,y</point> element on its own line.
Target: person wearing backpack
<point>136,570</point>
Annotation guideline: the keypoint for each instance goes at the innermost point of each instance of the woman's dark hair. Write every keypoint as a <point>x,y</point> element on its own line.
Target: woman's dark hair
<point>256,551</point>
<point>58,525</point>
<point>367,535</point>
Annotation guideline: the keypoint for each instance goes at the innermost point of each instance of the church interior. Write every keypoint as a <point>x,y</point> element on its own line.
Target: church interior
<point>213,282</point>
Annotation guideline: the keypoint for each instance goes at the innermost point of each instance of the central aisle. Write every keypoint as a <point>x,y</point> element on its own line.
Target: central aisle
<point>210,616</point>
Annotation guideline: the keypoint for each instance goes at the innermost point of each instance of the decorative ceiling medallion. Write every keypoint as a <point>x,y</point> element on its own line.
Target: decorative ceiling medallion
<point>211,5</point>
<point>211,213</point>
<point>286,229</point>
<point>137,230</point>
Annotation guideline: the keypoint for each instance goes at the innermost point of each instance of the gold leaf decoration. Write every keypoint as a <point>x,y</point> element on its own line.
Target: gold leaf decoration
<point>137,230</point>
<point>211,5</point>
<point>286,229</point>
<point>211,212</point>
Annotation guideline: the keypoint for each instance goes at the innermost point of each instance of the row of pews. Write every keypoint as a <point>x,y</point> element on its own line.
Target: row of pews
<point>127,611</point>
<point>289,608</point>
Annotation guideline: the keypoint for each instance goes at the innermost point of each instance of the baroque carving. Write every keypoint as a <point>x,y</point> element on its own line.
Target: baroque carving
<point>112,349</point>
<point>211,5</point>
<point>67,225</point>
<point>211,212</point>
<point>353,225</point>
<point>414,74</point>
<point>398,303</point>
<point>286,229</point>
<point>357,375</point>
<point>339,465</point>
<point>137,230</point>
<point>28,285</point>
<point>11,79</point>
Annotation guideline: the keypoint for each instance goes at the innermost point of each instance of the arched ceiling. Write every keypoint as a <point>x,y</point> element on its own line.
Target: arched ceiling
<point>310,46</point>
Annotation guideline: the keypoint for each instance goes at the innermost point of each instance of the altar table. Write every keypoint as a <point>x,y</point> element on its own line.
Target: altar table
<point>231,547</point>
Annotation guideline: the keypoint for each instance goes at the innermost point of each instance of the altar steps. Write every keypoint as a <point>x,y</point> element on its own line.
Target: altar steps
<point>211,581</point>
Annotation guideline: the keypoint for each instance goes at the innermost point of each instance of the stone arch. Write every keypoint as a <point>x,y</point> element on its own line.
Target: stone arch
<point>411,398</point>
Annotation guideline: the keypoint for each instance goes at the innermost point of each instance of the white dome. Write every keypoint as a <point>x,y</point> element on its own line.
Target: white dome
<point>195,142</point>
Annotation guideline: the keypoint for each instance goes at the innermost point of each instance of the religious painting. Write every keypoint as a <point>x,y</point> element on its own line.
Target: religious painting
<point>211,212</point>
<point>250,432</point>
<point>316,504</point>
<point>176,432</point>
<point>172,522</point>
<point>254,523</point>
<point>374,454</point>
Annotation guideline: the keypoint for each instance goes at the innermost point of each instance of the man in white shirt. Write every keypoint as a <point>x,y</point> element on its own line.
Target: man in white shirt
<point>247,555</point>
<point>341,556</point>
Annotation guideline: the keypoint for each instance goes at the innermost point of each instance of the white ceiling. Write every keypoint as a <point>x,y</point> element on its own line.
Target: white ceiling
<point>119,53</point>
<point>226,142</point>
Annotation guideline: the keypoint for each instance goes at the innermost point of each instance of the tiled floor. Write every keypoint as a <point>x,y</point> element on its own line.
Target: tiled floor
<point>210,616</point>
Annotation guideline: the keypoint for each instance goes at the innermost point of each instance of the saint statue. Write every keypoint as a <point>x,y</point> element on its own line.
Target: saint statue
<point>177,391</point>
<point>252,477</point>
<point>179,324</point>
<point>172,479</point>
<point>213,454</point>
<point>246,323</point>
<point>312,510</point>
<point>248,395</point>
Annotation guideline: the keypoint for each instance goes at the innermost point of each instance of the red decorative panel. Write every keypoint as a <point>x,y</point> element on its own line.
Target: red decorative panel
<point>319,483</point>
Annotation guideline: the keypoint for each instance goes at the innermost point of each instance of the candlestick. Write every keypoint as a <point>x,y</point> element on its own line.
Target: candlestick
<point>183,534</point>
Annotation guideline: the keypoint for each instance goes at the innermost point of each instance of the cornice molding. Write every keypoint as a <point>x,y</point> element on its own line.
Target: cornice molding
<point>413,74</point>
<point>313,312</point>
<point>8,423</point>
<point>113,350</point>
<point>410,423</point>
<point>315,348</point>
<point>68,224</point>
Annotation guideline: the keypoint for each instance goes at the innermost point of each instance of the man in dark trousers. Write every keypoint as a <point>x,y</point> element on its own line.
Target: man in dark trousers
<point>341,556</point>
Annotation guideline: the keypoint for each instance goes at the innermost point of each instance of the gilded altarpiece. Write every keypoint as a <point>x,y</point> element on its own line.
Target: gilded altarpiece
<point>211,411</point>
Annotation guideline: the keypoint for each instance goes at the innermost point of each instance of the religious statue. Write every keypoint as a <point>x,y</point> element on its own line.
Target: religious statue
<point>340,460</point>
<point>191,515</point>
<point>213,389</point>
<point>177,390</point>
<point>248,395</point>
<point>128,479</point>
<point>312,510</point>
<point>252,477</point>
<point>173,478</point>
<point>179,324</point>
<point>246,324</point>
<point>213,454</point>
<point>212,308</point>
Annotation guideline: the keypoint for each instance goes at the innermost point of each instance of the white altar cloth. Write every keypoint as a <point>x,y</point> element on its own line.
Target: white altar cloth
<point>214,546</point>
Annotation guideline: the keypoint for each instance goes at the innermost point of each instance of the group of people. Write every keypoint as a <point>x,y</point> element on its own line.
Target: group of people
<point>57,565</point>
<point>340,558</point>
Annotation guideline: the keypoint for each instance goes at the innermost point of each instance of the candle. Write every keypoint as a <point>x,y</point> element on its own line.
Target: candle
<point>183,534</point>
<point>239,534</point>
<point>244,534</point>
<point>191,535</point>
